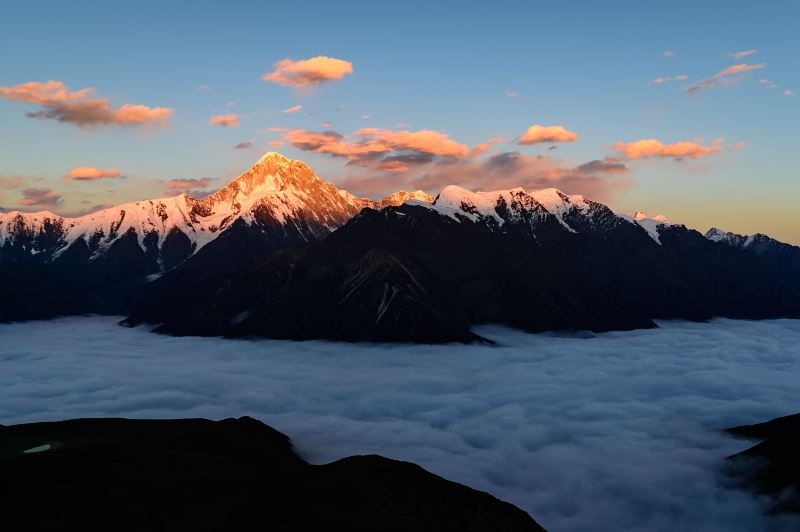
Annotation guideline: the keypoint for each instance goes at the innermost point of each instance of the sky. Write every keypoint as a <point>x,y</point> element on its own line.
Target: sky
<point>685,109</point>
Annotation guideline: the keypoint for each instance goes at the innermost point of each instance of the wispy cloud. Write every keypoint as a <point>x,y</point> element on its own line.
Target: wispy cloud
<point>537,134</point>
<point>668,53</point>
<point>39,197</point>
<point>742,54</point>
<point>512,94</point>
<point>244,145</point>
<point>659,81</point>
<point>787,92</point>
<point>57,102</point>
<point>193,187</point>
<point>306,72</point>
<point>10,182</point>
<point>227,120</point>
<point>724,77</point>
<point>91,173</point>
<point>647,148</point>
<point>292,109</point>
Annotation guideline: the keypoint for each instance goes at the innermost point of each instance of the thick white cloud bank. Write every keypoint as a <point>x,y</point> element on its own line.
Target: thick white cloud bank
<point>617,431</point>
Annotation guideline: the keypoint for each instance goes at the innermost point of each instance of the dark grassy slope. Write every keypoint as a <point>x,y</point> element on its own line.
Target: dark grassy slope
<point>771,467</point>
<point>409,274</point>
<point>235,474</point>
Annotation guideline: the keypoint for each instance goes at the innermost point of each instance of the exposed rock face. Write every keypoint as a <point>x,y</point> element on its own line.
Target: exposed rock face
<point>771,467</point>
<point>235,474</point>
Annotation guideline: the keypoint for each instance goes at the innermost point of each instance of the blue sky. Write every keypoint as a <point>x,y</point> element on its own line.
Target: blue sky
<point>447,67</point>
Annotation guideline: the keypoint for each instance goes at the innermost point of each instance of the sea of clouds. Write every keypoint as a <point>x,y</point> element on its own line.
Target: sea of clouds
<point>616,431</point>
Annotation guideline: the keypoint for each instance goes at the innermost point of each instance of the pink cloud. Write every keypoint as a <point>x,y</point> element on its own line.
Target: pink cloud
<point>229,120</point>
<point>668,53</point>
<point>77,107</point>
<point>313,71</point>
<point>646,148</point>
<point>537,134</point>
<point>90,173</point>
<point>292,109</point>
<point>276,143</point>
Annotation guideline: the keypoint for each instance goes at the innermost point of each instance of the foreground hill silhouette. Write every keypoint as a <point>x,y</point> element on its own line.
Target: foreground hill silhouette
<point>235,474</point>
<point>772,466</point>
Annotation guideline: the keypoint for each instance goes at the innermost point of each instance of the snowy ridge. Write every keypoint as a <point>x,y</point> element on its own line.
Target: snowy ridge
<point>515,205</point>
<point>274,191</point>
<point>757,242</point>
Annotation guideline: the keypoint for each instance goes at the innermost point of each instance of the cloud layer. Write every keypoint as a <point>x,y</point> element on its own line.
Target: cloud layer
<point>598,179</point>
<point>77,107</point>
<point>616,431</point>
<point>90,173</point>
<point>306,72</point>
<point>381,149</point>
<point>646,148</point>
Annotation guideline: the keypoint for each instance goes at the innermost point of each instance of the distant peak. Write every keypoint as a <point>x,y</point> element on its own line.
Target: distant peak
<point>273,156</point>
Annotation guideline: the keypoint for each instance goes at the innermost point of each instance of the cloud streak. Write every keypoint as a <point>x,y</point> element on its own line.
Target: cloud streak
<point>183,185</point>
<point>57,102</point>
<point>647,148</point>
<point>724,77</point>
<point>742,54</point>
<point>91,173</point>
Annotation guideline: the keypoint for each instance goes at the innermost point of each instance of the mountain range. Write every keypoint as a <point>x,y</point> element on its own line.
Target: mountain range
<point>279,252</point>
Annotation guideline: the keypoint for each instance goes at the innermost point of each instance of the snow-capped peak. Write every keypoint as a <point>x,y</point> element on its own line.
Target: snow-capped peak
<point>398,198</point>
<point>275,186</point>
<point>650,223</point>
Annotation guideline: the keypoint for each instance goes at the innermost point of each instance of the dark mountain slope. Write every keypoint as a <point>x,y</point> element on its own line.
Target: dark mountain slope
<point>771,467</point>
<point>411,273</point>
<point>235,474</point>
